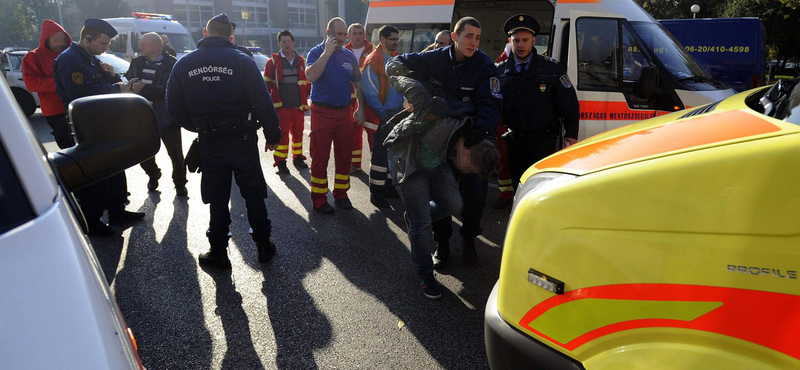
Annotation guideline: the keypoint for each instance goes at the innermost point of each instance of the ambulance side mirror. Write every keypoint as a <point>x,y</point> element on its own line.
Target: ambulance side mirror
<point>648,83</point>
<point>113,132</point>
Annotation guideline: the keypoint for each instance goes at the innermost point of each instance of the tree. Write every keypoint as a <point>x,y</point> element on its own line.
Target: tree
<point>679,9</point>
<point>20,20</point>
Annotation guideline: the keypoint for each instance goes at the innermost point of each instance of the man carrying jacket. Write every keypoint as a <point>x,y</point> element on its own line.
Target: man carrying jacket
<point>149,73</point>
<point>37,73</point>
<point>285,75</point>
<point>383,102</point>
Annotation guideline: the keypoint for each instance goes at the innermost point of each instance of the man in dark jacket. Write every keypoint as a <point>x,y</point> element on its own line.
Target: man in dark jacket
<point>149,73</point>
<point>37,72</point>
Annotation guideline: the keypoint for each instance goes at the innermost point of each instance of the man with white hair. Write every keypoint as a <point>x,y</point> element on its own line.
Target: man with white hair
<point>149,73</point>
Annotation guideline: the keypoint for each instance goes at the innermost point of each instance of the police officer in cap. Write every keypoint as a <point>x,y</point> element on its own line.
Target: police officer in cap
<point>211,91</point>
<point>78,73</point>
<point>538,99</point>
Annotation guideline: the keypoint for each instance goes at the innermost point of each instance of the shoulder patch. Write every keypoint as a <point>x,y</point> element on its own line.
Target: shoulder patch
<point>494,85</point>
<point>565,81</point>
<point>77,78</point>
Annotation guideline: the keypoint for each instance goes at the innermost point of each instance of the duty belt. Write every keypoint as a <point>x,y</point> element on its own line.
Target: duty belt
<point>225,126</point>
<point>532,135</point>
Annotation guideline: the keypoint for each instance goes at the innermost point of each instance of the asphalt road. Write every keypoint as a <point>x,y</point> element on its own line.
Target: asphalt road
<point>340,293</point>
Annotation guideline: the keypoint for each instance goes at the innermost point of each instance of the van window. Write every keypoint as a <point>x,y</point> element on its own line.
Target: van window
<point>15,210</point>
<point>598,46</point>
<point>181,42</point>
<point>667,50</point>
<point>633,60</point>
<point>413,37</point>
<point>135,42</point>
<point>119,44</point>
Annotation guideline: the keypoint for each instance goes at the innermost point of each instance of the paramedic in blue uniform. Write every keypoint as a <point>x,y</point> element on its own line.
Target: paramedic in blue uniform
<point>211,91</point>
<point>539,100</point>
<point>78,73</point>
<point>463,73</point>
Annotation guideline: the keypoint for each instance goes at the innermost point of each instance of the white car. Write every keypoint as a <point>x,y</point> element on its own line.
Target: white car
<point>12,71</point>
<point>56,310</point>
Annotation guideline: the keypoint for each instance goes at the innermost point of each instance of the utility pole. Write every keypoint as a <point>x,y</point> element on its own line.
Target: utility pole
<point>341,9</point>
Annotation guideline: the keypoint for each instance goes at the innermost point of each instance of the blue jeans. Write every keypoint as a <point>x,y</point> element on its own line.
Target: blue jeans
<point>428,196</point>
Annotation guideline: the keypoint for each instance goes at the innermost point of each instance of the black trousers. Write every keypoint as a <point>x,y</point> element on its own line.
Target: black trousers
<point>60,132</point>
<point>379,163</point>
<point>229,155</point>
<point>523,153</point>
<point>473,191</point>
<point>172,142</point>
<point>109,194</point>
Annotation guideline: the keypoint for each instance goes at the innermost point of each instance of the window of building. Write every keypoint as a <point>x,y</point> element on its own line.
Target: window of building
<point>302,17</point>
<point>248,14</point>
<point>193,16</point>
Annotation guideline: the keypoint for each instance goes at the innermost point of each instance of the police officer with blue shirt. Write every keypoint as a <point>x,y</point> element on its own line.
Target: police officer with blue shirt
<point>465,74</point>
<point>538,100</point>
<point>78,73</point>
<point>211,91</point>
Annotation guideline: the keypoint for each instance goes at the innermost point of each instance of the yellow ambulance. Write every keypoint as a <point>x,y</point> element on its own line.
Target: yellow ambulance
<point>672,243</point>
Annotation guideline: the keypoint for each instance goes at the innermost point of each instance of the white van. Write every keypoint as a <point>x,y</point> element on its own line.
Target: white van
<point>126,43</point>
<point>625,66</point>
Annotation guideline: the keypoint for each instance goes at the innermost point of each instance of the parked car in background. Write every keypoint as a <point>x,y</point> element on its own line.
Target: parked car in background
<point>12,71</point>
<point>57,310</point>
<point>120,65</point>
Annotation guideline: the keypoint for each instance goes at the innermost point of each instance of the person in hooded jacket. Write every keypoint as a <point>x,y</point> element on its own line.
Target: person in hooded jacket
<point>37,73</point>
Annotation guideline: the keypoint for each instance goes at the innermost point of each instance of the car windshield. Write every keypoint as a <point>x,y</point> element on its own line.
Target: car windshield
<point>120,65</point>
<point>261,61</point>
<point>181,42</point>
<point>670,52</point>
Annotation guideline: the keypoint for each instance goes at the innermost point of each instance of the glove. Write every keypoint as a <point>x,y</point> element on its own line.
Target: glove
<point>192,159</point>
<point>474,136</point>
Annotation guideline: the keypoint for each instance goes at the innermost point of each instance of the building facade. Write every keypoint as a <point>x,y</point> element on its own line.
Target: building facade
<point>257,21</point>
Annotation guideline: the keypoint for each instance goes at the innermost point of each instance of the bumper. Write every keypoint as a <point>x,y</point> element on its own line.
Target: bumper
<point>508,348</point>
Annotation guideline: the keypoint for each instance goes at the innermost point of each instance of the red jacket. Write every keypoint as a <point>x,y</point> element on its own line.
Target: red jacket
<point>273,76</point>
<point>37,71</point>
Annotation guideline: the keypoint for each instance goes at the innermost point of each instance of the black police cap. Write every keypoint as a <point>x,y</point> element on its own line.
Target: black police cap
<point>221,18</point>
<point>101,26</point>
<point>521,22</point>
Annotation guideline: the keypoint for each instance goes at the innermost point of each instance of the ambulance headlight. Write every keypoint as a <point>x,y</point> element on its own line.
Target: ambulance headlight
<point>538,183</point>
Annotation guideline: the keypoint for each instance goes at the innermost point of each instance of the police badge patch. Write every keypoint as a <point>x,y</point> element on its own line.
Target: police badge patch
<point>494,87</point>
<point>542,87</point>
<point>77,78</point>
<point>565,81</point>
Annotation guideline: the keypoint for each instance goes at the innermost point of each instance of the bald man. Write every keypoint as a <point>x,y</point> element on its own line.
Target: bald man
<point>149,74</point>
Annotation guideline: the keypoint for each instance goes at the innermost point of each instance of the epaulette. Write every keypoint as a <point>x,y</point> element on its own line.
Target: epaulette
<point>549,59</point>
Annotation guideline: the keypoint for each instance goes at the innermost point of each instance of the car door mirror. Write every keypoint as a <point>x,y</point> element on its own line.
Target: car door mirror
<point>648,83</point>
<point>113,132</point>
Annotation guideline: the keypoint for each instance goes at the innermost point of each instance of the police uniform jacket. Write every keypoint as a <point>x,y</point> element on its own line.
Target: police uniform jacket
<point>474,80</point>
<point>78,75</point>
<point>539,98</point>
<point>216,80</point>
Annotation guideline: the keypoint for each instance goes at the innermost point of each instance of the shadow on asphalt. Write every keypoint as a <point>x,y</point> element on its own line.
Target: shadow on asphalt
<point>163,309</point>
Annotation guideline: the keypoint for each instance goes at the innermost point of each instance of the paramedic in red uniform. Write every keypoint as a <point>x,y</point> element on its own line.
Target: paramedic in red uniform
<point>331,69</point>
<point>285,75</point>
<point>361,48</point>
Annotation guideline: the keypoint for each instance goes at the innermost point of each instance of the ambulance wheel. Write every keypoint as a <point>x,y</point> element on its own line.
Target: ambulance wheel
<point>25,101</point>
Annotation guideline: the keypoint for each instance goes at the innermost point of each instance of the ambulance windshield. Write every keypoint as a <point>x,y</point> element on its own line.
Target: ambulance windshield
<point>674,58</point>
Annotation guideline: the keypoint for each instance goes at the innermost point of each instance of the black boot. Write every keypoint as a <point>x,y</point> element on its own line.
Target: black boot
<point>217,256</point>
<point>470,255</point>
<point>442,255</point>
<point>266,250</point>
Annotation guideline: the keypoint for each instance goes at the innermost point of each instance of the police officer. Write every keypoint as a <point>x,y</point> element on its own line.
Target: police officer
<point>463,73</point>
<point>538,99</point>
<point>78,73</point>
<point>211,91</point>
